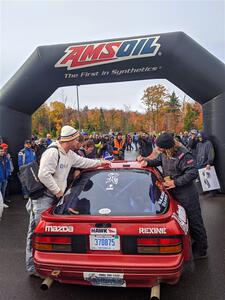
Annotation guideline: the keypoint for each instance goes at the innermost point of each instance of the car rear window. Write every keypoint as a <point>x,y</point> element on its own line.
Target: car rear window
<point>115,192</point>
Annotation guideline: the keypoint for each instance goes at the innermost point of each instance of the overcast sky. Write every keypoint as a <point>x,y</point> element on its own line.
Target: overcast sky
<point>26,25</point>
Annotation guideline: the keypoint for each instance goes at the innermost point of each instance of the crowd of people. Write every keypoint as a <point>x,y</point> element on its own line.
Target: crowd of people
<point>179,155</point>
<point>108,146</point>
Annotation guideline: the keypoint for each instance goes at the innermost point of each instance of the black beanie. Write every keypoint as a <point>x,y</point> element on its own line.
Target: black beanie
<point>165,140</point>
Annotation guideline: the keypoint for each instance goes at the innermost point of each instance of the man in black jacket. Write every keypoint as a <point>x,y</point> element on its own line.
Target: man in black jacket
<point>204,152</point>
<point>179,171</point>
<point>145,143</point>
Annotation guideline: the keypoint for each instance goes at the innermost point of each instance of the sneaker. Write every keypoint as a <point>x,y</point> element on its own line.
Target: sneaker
<point>5,205</point>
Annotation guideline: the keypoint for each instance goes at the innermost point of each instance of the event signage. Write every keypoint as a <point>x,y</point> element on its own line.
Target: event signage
<point>87,55</point>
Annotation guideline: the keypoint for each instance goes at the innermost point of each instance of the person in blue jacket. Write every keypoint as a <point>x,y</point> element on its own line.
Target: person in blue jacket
<point>5,170</point>
<point>48,139</point>
<point>25,156</point>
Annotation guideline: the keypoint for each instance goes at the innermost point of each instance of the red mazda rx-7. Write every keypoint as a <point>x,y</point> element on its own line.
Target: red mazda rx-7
<point>115,226</point>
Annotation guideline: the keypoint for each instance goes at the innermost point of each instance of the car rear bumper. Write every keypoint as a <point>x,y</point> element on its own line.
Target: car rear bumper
<point>138,271</point>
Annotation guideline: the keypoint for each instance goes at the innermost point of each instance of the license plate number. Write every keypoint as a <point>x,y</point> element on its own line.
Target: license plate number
<point>104,242</point>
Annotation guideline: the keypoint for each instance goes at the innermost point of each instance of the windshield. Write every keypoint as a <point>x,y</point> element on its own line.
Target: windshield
<point>114,192</point>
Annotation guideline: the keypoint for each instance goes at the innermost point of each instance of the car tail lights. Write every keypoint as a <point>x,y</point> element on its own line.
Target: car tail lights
<point>52,243</point>
<point>166,245</point>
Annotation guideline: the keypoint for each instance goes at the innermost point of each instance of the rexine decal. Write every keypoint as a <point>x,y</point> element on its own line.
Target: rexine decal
<point>155,230</point>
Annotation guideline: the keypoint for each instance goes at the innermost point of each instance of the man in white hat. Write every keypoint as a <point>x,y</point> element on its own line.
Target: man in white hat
<point>55,165</point>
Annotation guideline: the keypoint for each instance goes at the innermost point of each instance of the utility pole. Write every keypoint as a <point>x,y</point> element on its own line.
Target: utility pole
<point>78,107</point>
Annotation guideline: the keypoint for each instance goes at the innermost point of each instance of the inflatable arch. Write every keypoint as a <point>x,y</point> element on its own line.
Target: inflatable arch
<point>172,56</point>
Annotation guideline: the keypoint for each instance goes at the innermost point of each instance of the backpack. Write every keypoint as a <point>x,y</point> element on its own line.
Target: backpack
<point>28,176</point>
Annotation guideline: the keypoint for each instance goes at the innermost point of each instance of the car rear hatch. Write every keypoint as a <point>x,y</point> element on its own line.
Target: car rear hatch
<point>125,226</point>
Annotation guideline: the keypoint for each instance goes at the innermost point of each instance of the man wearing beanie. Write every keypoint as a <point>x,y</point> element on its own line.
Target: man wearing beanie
<point>55,165</point>
<point>179,171</point>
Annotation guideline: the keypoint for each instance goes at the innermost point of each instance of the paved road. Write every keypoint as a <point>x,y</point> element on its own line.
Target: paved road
<point>203,281</point>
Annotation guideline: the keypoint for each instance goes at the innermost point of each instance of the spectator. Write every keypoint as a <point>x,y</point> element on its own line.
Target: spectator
<point>106,147</point>
<point>87,148</point>
<point>25,156</point>
<point>5,171</point>
<point>145,145</point>
<point>129,146</point>
<point>135,140</point>
<point>7,192</point>
<point>1,205</point>
<point>40,149</point>
<point>192,142</point>
<point>48,139</point>
<point>204,152</point>
<point>185,138</point>
<point>119,147</point>
<point>55,165</point>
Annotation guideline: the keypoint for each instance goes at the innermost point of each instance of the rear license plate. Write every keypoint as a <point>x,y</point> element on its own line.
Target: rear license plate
<point>105,279</point>
<point>104,242</point>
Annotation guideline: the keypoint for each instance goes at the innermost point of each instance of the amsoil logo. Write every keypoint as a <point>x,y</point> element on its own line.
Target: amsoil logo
<point>103,231</point>
<point>81,56</point>
<point>50,228</point>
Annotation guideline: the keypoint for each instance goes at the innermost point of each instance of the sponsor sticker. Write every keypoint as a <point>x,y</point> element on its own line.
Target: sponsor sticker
<point>105,279</point>
<point>104,211</point>
<point>111,181</point>
<point>181,218</point>
<point>111,231</point>
<point>152,230</point>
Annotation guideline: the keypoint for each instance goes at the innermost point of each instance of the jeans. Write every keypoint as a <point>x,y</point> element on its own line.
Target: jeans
<point>3,186</point>
<point>35,209</point>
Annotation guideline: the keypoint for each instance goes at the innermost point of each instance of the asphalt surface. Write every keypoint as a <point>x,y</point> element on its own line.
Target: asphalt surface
<point>203,280</point>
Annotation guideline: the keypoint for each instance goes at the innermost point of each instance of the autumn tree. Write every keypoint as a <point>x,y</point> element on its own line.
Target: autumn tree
<point>41,122</point>
<point>102,124</point>
<point>198,123</point>
<point>153,98</point>
<point>190,117</point>
<point>173,111</point>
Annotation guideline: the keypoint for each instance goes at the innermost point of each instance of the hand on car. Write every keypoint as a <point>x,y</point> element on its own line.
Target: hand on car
<point>140,158</point>
<point>59,194</point>
<point>76,174</point>
<point>144,163</point>
<point>105,162</point>
<point>169,184</point>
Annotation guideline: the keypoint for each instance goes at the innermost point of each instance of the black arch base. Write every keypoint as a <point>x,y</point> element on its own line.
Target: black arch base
<point>214,127</point>
<point>15,129</point>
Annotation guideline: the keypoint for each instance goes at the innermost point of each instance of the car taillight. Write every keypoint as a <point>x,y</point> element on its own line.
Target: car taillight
<point>52,243</point>
<point>165,245</point>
